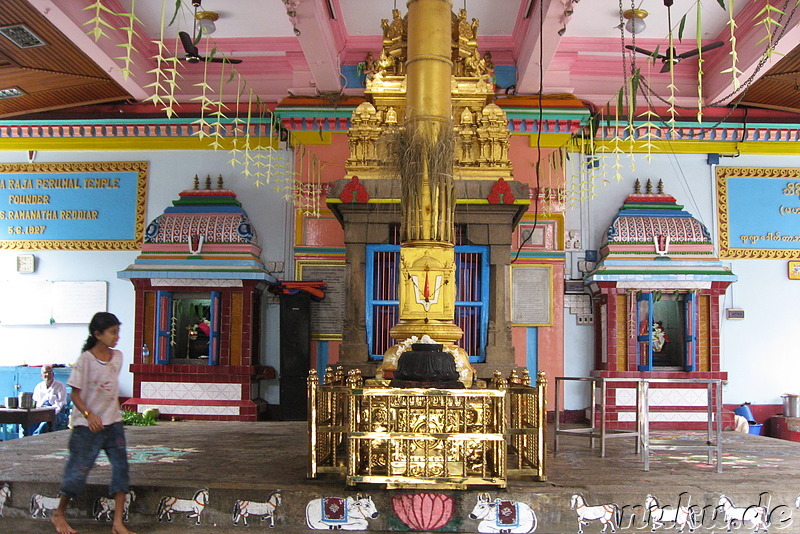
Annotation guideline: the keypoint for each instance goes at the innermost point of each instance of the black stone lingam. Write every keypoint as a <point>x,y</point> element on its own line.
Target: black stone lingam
<point>426,366</point>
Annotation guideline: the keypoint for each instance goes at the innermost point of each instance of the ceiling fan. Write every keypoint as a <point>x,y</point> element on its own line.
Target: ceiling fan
<point>206,19</point>
<point>672,57</point>
<point>193,55</point>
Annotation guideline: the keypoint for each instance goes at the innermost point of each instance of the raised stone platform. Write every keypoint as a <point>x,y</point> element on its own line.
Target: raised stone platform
<point>249,461</point>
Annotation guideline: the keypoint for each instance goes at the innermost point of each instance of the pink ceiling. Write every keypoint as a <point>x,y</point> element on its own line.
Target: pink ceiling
<point>586,61</point>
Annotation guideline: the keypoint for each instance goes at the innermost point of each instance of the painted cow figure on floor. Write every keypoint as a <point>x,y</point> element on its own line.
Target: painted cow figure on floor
<point>195,506</point>
<point>680,517</point>
<point>5,493</point>
<point>756,515</point>
<point>40,504</point>
<point>105,506</point>
<point>503,516</point>
<point>607,514</point>
<point>337,513</point>
<point>266,510</point>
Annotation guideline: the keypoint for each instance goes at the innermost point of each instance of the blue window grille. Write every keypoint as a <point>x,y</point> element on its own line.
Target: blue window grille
<point>382,306</point>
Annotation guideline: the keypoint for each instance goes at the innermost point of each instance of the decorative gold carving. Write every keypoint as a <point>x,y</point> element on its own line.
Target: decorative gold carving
<point>426,437</point>
<point>465,45</point>
<point>480,128</point>
<point>395,37</point>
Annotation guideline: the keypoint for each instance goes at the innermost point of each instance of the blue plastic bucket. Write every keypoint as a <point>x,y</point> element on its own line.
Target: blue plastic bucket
<point>755,428</point>
<point>744,411</point>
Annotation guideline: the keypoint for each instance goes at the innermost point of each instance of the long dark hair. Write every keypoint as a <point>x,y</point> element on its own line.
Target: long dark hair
<point>99,323</point>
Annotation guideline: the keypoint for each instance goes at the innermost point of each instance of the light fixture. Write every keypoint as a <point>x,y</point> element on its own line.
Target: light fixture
<point>635,24</point>
<point>297,31</point>
<point>562,31</point>
<point>206,20</point>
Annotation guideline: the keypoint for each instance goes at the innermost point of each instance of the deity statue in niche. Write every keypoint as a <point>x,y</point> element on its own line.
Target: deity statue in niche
<point>660,337</point>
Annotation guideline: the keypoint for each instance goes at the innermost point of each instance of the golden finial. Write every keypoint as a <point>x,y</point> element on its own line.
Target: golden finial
<point>352,378</point>
<point>526,377</point>
<point>661,187</point>
<point>542,380</point>
<point>649,187</point>
<point>339,375</point>
<point>196,182</point>
<point>313,379</point>
<point>502,383</point>
<point>496,376</point>
<point>637,187</point>
<point>208,181</point>
<point>328,375</point>
<point>219,182</point>
<point>513,377</point>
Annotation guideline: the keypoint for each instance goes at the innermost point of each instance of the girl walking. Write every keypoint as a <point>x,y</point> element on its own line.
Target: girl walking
<point>96,421</point>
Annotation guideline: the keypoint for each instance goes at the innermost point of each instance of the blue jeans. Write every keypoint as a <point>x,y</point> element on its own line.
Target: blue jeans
<point>84,446</point>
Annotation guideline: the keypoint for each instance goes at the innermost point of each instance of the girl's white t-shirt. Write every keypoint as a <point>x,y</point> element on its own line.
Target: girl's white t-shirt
<point>99,385</point>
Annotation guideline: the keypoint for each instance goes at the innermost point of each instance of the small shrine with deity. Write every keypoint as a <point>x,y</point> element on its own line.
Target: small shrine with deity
<point>199,282</point>
<point>657,292</point>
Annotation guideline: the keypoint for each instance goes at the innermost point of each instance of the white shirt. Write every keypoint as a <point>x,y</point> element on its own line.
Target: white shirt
<point>98,383</point>
<point>55,395</point>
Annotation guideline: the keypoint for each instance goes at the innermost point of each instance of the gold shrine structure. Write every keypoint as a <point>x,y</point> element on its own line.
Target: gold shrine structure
<point>429,123</point>
<point>426,437</point>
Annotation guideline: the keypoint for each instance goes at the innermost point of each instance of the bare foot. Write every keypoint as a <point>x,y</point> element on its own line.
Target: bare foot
<point>121,529</point>
<point>59,521</point>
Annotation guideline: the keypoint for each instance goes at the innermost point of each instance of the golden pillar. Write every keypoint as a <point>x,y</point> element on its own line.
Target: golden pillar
<point>427,256</point>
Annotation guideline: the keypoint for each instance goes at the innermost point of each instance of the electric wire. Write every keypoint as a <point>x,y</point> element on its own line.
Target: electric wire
<point>538,163</point>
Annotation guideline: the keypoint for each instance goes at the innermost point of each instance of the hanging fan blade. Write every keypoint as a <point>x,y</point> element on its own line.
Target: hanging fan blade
<point>645,52</point>
<point>221,60</point>
<point>702,49</point>
<point>193,55</point>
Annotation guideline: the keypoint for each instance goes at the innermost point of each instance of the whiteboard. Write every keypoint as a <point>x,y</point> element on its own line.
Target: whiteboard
<point>44,302</point>
<point>77,302</point>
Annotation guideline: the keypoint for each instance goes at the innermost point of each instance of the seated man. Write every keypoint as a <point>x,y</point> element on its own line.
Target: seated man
<point>49,392</point>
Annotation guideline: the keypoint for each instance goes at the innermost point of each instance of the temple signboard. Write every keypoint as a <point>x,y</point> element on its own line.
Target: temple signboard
<point>72,206</point>
<point>759,212</point>
<point>327,315</point>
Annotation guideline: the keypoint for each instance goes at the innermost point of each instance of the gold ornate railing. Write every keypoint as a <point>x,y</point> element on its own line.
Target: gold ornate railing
<point>411,437</point>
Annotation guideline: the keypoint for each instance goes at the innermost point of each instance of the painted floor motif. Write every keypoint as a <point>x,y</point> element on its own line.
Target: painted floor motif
<point>139,454</point>
<point>729,461</point>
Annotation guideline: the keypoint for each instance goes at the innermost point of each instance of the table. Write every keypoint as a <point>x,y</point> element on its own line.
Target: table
<point>34,416</point>
<point>594,432</point>
<point>712,444</point>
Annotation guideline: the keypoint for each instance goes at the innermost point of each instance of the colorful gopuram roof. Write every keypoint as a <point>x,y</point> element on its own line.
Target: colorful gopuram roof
<point>205,234</point>
<point>654,240</point>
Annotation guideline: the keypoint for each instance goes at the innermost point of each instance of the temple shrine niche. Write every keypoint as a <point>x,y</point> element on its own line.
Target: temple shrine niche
<point>657,292</point>
<point>198,283</point>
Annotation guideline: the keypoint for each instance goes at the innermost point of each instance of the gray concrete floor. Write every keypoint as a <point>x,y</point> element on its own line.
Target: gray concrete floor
<point>250,460</point>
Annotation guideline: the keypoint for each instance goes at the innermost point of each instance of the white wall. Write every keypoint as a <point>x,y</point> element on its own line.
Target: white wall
<point>170,172</point>
<point>760,353</point>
